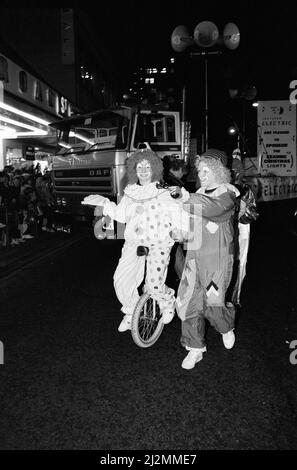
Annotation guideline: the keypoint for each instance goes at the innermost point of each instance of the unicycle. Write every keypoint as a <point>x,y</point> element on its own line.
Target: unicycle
<point>146,324</point>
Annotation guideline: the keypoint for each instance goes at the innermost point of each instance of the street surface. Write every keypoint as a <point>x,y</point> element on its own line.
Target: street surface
<point>71,381</point>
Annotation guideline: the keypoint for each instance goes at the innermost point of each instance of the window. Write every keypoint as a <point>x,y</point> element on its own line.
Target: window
<point>23,81</point>
<point>158,129</point>
<point>50,98</point>
<point>104,130</point>
<point>171,129</point>
<point>38,91</point>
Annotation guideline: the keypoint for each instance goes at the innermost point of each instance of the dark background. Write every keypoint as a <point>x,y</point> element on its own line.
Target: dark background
<point>139,32</point>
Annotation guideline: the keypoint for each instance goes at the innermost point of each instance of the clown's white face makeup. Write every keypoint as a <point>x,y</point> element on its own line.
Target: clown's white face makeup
<point>206,176</point>
<point>144,172</point>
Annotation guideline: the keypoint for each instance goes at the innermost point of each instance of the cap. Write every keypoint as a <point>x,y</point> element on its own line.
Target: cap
<point>217,155</point>
<point>236,154</point>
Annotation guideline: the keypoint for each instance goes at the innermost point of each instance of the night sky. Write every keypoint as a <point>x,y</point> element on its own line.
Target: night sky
<point>139,33</point>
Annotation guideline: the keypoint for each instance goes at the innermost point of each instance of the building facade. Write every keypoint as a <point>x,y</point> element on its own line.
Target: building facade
<point>52,65</point>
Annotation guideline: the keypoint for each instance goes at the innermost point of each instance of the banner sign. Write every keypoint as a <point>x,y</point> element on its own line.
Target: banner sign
<point>273,189</point>
<point>277,138</point>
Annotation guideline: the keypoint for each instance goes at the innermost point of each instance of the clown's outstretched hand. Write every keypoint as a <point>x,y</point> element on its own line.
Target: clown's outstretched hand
<point>94,200</point>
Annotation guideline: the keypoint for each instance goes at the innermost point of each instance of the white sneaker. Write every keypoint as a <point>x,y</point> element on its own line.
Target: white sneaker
<point>125,323</point>
<point>27,236</point>
<point>193,356</point>
<point>229,339</point>
<point>167,317</point>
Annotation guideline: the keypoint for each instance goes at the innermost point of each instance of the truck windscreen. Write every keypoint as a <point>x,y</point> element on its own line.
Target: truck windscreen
<point>100,132</point>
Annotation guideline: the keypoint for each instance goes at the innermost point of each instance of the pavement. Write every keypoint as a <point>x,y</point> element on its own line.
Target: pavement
<point>14,258</point>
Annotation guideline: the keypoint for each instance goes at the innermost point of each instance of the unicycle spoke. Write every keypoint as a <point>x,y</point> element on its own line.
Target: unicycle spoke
<point>149,320</point>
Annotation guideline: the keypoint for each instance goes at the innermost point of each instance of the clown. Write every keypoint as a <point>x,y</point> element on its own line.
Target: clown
<point>208,268</point>
<point>151,216</point>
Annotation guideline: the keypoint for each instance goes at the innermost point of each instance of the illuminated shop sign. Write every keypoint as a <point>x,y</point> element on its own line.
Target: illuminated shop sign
<point>22,84</point>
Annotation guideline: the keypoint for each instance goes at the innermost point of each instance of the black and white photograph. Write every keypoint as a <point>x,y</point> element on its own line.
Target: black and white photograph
<point>148,232</point>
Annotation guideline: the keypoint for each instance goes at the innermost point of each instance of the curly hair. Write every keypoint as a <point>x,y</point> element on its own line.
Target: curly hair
<point>139,156</point>
<point>222,174</point>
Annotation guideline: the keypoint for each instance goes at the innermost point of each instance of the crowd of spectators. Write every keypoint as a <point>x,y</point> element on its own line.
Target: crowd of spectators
<point>26,204</point>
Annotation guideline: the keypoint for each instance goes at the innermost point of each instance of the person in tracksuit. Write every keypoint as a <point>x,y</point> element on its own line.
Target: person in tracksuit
<point>209,261</point>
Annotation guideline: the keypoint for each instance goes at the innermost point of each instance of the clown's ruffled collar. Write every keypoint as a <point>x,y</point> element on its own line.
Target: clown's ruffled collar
<point>144,193</point>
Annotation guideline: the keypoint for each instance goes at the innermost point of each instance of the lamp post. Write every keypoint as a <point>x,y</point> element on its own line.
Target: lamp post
<point>246,94</point>
<point>206,35</point>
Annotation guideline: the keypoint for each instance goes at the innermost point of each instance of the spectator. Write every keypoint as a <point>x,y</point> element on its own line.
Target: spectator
<point>28,209</point>
<point>174,170</point>
<point>242,231</point>
<point>45,202</point>
<point>9,209</point>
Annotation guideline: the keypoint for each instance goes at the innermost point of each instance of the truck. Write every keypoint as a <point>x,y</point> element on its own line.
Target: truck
<point>92,150</point>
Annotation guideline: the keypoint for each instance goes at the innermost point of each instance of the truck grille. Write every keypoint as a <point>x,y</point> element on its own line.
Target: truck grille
<point>77,180</point>
<point>84,183</point>
<point>82,173</point>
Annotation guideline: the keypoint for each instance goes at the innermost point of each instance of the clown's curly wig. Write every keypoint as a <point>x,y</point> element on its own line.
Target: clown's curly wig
<point>222,174</point>
<point>137,157</point>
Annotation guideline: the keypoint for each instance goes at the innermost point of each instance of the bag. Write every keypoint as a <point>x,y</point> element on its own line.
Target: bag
<point>248,207</point>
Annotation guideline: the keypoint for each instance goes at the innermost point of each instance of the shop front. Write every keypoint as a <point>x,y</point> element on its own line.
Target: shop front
<point>27,106</point>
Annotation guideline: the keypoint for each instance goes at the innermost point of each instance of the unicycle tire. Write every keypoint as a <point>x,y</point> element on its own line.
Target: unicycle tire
<point>146,324</point>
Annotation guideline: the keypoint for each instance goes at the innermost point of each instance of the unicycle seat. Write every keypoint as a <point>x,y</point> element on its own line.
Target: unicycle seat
<point>142,250</point>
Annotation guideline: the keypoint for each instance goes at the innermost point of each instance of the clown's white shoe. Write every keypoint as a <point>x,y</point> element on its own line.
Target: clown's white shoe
<point>193,356</point>
<point>229,339</point>
<point>167,317</point>
<point>125,324</point>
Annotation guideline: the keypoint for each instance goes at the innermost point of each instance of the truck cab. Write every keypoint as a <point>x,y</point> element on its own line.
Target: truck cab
<point>92,150</point>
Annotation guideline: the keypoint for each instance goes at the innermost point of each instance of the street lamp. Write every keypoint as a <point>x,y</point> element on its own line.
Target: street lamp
<point>232,130</point>
<point>206,35</point>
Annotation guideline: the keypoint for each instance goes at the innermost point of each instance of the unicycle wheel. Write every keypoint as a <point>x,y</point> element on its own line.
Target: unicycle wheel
<point>146,325</point>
